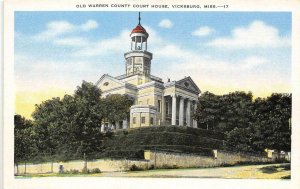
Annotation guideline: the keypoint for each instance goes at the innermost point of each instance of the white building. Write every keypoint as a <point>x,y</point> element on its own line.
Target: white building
<point>156,103</point>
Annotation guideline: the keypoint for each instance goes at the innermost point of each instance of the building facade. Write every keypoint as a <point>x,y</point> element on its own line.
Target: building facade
<point>156,103</point>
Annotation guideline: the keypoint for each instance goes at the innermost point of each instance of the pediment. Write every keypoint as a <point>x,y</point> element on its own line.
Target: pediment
<point>107,82</point>
<point>188,84</point>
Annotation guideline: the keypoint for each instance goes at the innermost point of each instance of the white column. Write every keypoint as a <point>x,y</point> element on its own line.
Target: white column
<point>188,113</point>
<point>117,125</point>
<point>102,128</point>
<point>194,121</point>
<point>174,109</point>
<point>181,111</point>
<point>125,126</point>
<point>163,110</point>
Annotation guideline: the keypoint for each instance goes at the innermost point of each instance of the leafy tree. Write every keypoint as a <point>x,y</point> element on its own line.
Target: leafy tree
<point>249,125</point>
<point>223,112</point>
<point>271,119</point>
<point>88,118</point>
<point>25,147</point>
<point>234,111</point>
<point>48,119</point>
<point>69,128</point>
<point>208,110</point>
<point>117,107</point>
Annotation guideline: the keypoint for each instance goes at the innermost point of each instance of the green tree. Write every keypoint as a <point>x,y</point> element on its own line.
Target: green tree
<point>117,107</point>
<point>208,110</point>
<point>48,119</point>
<point>271,119</point>
<point>224,112</point>
<point>88,118</point>
<point>249,125</point>
<point>24,138</point>
<point>69,128</point>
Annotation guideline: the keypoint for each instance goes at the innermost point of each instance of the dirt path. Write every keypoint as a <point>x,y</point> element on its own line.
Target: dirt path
<point>270,171</point>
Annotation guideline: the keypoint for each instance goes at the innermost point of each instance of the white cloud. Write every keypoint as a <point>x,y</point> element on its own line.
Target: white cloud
<point>207,71</point>
<point>89,25</point>
<point>41,73</point>
<point>54,29</point>
<point>203,31</point>
<point>57,28</point>
<point>116,44</point>
<point>256,35</point>
<point>71,41</point>
<point>165,23</point>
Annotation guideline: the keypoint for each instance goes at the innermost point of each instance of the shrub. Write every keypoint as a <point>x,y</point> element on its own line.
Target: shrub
<point>85,170</point>
<point>134,168</point>
<point>95,170</point>
<point>165,166</point>
<point>151,167</point>
<point>73,171</point>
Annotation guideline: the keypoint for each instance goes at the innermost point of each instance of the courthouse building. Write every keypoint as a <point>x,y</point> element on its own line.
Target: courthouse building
<point>156,103</point>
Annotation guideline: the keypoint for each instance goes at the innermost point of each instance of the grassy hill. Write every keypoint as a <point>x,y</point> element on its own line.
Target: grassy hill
<point>131,143</point>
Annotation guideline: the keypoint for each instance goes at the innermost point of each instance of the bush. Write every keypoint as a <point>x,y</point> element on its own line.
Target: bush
<point>85,170</point>
<point>73,171</point>
<point>165,166</point>
<point>95,170</point>
<point>151,167</point>
<point>134,168</point>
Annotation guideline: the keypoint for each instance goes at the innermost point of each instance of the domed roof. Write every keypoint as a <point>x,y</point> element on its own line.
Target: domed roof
<point>139,29</point>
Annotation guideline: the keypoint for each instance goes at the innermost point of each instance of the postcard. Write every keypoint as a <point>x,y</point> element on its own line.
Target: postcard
<point>151,94</point>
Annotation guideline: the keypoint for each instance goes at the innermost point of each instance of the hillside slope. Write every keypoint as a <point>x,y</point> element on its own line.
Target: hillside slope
<point>131,143</point>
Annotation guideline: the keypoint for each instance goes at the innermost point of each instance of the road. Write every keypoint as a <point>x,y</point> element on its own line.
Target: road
<point>270,171</point>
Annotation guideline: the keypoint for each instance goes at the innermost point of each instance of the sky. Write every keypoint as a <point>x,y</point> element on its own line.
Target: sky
<point>222,51</point>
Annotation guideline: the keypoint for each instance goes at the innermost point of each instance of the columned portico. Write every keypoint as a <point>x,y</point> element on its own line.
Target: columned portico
<point>173,109</point>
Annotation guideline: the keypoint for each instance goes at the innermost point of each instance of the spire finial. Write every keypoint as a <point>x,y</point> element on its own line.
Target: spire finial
<point>139,18</point>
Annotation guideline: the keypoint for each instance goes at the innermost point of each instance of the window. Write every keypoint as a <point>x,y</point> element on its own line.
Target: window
<point>159,105</point>
<point>134,120</point>
<point>151,120</point>
<point>186,84</point>
<point>106,84</point>
<point>143,120</point>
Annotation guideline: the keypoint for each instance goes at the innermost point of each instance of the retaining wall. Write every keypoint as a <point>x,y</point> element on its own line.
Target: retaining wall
<point>152,159</point>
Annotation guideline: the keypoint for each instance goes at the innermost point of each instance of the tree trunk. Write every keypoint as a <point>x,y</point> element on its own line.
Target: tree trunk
<point>25,168</point>
<point>17,168</point>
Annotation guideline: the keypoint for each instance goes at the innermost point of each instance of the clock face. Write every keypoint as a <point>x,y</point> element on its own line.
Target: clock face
<point>138,59</point>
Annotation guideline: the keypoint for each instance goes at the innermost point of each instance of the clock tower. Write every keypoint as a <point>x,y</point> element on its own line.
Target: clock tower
<point>138,59</point>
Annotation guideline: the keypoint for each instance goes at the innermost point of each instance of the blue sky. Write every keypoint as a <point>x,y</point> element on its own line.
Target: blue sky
<point>221,51</point>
